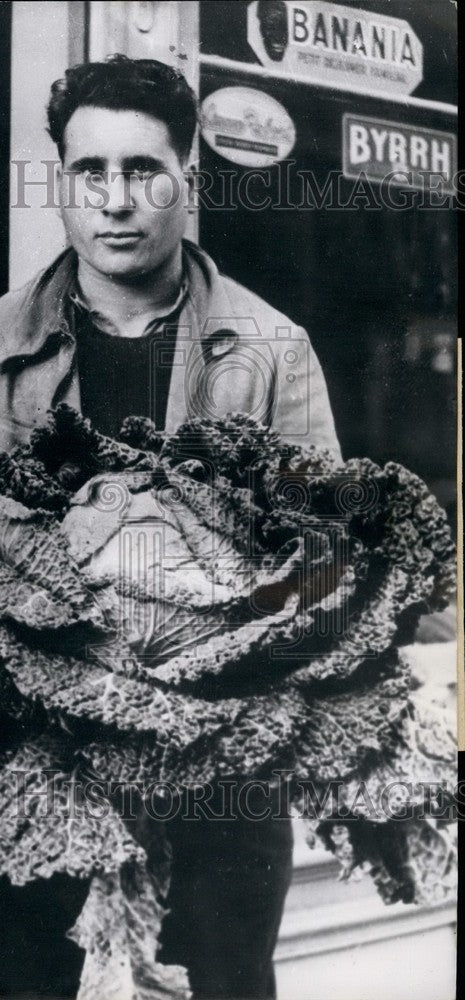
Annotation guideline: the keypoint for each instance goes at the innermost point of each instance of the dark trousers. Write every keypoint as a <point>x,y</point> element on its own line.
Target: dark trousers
<point>36,959</point>
<point>228,886</point>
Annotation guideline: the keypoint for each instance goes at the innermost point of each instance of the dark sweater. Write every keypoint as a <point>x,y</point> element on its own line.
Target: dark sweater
<point>122,376</point>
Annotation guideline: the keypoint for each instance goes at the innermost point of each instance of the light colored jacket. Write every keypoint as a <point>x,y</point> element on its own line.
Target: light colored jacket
<point>234,353</point>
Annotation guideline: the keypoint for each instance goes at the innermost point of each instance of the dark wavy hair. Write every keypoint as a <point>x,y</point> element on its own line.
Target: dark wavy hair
<point>124,84</point>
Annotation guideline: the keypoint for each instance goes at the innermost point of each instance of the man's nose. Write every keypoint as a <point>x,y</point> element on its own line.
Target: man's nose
<point>118,193</point>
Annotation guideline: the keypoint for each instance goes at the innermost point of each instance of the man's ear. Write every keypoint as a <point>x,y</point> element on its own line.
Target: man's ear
<point>191,173</point>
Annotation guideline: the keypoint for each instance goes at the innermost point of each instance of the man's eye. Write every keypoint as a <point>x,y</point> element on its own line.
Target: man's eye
<point>96,176</point>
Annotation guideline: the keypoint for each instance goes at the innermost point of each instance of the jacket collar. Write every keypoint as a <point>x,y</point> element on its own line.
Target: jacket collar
<point>42,318</point>
<point>209,314</point>
<point>45,312</point>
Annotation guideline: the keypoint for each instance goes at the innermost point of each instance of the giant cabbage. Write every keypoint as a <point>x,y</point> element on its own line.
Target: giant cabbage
<point>212,603</point>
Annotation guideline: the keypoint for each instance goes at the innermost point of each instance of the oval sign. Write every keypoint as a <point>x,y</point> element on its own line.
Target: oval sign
<point>247,126</point>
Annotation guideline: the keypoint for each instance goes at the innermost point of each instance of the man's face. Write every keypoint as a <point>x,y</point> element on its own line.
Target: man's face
<point>272,16</point>
<point>123,193</point>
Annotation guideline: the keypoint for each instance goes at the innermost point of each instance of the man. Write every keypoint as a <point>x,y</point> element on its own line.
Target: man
<point>272,18</point>
<point>132,319</point>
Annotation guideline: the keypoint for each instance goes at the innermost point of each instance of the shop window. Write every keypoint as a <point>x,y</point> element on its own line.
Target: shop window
<point>376,289</point>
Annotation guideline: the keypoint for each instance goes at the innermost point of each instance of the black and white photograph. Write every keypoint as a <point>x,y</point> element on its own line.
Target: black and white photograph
<point>231,643</point>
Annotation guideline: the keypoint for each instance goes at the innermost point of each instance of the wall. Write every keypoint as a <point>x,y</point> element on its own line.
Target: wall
<point>5,80</point>
<point>46,38</point>
<point>339,941</point>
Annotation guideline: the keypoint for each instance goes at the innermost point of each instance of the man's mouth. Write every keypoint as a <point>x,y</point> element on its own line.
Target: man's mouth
<point>120,238</point>
<point>277,47</point>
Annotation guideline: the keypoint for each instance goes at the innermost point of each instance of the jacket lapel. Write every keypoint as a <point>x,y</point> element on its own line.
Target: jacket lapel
<point>43,311</point>
<point>206,329</point>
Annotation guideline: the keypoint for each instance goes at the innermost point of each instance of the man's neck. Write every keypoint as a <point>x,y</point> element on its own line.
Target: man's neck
<point>129,304</point>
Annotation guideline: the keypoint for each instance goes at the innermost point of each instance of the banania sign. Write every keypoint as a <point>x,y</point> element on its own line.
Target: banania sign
<point>325,42</point>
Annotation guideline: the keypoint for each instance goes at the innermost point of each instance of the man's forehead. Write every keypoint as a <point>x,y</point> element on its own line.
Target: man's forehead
<point>104,132</point>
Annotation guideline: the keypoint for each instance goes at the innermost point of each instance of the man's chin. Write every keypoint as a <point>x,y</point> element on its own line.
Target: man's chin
<point>122,267</point>
<point>276,54</point>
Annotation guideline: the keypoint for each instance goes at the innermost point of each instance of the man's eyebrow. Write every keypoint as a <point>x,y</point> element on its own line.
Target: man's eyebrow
<point>138,161</point>
<point>87,163</point>
<point>142,161</point>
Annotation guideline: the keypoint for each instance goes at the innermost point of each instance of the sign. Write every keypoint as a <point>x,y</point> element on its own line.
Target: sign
<point>377,148</point>
<point>247,126</point>
<point>332,44</point>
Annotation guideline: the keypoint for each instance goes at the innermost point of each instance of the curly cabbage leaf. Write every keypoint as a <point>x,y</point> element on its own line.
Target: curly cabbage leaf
<point>119,927</point>
<point>208,604</point>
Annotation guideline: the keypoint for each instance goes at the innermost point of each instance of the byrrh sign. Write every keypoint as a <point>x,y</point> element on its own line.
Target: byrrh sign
<point>406,154</point>
<point>327,43</point>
